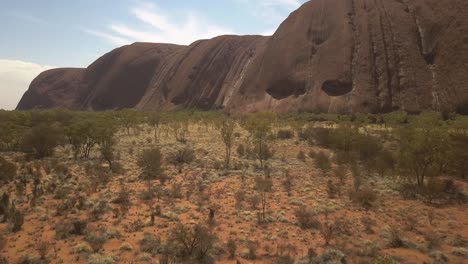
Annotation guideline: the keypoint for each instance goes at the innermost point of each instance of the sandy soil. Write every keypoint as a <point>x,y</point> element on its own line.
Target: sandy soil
<point>281,236</point>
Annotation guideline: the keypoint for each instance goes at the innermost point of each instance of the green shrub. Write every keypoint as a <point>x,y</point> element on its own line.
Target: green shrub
<point>196,243</point>
<point>284,134</point>
<point>96,239</point>
<point>301,156</point>
<point>70,228</point>
<point>40,141</point>
<point>306,218</point>
<point>461,252</point>
<point>319,136</point>
<point>150,162</point>
<point>102,259</point>
<point>393,237</point>
<point>125,247</point>
<point>150,244</point>
<point>15,219</point>
<point>98,209</point>
<point>181,157</point>
<point>82,248</point>
<point>364,196</point>
<point>322,162</point>
<point>7,170</point>
<point>231,248</point>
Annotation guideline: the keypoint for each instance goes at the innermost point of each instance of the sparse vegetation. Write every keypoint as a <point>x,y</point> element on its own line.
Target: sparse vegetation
<point>338,184</point>
<point>180,157</point>
<point>227,134</point>
<point>7,170</point>
<point>150,162</point>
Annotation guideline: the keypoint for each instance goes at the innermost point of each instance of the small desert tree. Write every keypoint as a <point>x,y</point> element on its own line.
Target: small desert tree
<point>150,161</point>
<point>10,136</point>
<point>81,136</point>
<point>106,140</point>
<point>259,126</point>
<point>423,148</point>
<point>107,151</point>
<point>263,185</point>
<point>128,118</point>
<point>227,134</point>
<point>155,120</point>
<point>193,243</point>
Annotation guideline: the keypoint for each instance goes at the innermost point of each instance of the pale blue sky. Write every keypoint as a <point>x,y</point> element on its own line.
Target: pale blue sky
<point>75,32</point>
<point>36,35</point>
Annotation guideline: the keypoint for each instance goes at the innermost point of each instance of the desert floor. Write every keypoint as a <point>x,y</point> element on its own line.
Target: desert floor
<point>364,233</point>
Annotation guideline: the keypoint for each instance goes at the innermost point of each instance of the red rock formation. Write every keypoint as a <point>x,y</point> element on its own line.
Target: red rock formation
<point>121,78</point>
<point>329,56</point>
<point>57,88</point>
<point>362,55</point>
<point>204,75</point>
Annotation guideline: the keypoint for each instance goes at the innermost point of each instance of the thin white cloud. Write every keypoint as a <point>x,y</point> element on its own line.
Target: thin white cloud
<point>15,77</point>
<point>271,12</point>
<point>116,40</point>
<point>160,27</point>
<point>27,17</point>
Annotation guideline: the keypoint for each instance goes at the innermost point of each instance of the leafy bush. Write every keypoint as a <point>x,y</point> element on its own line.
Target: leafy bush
<point>322,162</point>
<point>195,243</point>
<point>181,157</point>
<point>125,247</point>
<point>96,239</point>
<point>231,248</point>
<point>15,219</point>
<point>284,134</point>
<point>364,196</point>
<point>306,218</point>
<point>150,244</point>
<point>150,161</point>
<point>43,247</point>
<point>66,229</point>
<point>98,209</point>
<point>40,141</point>
<point>301,156</point>
<point>319,136</point>
<point>393,237</point>
<point>7,170</point>
<point>102,259</point>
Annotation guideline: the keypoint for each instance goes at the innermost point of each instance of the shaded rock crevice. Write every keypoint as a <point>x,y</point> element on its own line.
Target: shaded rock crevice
<point>286,88</point>
<point>337,87</point>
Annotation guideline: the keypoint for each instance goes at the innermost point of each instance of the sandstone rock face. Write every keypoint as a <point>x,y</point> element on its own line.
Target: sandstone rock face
<point>339,56</point>
<point>57,88</point>
<point>364,56</point>
<point>121,78</point>
<point>205,75</point>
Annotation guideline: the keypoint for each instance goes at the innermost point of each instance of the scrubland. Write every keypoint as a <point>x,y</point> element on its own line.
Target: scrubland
<point>202,187</point>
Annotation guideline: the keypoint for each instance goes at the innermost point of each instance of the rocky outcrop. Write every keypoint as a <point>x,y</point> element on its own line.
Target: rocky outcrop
<point>121,78</point>
<point>57,88</point>
<point>364,56</point>
<point>339,56</point>
<point>205,75</point>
